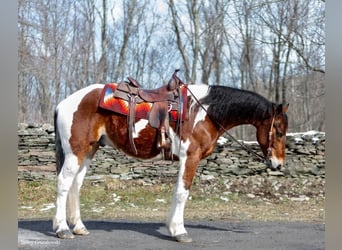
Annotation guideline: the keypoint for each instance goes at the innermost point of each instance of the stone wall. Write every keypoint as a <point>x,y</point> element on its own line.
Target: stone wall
<point>305,157</point>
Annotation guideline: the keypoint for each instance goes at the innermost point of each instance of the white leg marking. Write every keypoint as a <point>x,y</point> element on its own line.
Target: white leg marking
<point>64,182</point>
<point>175,221</point>
<point>73,201</point>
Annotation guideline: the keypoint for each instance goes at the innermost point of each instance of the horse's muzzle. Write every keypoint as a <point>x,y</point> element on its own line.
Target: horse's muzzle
<point>273,164</point>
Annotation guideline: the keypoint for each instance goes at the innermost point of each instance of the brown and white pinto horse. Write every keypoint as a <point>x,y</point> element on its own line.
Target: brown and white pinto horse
<point>81,127</point>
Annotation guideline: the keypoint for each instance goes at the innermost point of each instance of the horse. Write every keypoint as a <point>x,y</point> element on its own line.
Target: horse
<point>81,127</point>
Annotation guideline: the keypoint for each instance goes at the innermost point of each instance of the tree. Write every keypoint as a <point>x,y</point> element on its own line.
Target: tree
<point>275,48</point>
<point>103,67</point>
<point>130,11</point>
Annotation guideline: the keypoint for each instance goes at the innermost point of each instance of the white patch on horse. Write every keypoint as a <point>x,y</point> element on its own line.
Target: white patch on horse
<point>175,221</point>
<point>73,201</point>
<point>65,180</point>
<point>139,126</point>
<point>200,116</point>
<point>175,142</point>
<point>198,90</point>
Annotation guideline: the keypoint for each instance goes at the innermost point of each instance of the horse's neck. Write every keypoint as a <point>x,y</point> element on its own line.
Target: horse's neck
<point>239,123</point>
<point>255,120</point>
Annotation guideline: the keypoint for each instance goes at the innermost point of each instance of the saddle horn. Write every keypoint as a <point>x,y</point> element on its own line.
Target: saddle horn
<point>133,82</point>
<point>174,82</point>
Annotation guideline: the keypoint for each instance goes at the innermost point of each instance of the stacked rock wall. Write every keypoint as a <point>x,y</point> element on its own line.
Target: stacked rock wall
<point>304,157</point>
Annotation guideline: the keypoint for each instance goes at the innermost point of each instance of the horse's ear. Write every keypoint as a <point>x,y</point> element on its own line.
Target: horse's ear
<point>282,108</point>
<point>285,107</point>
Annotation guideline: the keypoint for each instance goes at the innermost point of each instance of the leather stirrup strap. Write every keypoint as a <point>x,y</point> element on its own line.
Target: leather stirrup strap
<point>166,141</point>
<point>179,118</point>
<point>131,121</point>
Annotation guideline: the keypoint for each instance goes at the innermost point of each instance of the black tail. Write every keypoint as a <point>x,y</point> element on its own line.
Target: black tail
<point>58,146</point>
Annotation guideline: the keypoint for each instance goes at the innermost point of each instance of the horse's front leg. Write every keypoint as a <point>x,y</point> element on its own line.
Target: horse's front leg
<point>175,222</point>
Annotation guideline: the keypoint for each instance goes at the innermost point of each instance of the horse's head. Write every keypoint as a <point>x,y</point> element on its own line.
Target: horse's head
<point>271,136</point>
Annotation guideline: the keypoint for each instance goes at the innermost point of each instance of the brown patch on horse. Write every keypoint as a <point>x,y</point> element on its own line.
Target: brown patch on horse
<point>279,131</point>
<point>85,126</point>
<point>203,138</point>
<point>117,132</point>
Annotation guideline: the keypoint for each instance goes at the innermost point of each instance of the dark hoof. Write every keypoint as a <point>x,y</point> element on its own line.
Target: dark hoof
<point>183,238</point>
<point>65,234</point>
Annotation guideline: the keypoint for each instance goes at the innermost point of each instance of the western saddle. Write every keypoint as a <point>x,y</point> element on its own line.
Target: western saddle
<point>161,98</point>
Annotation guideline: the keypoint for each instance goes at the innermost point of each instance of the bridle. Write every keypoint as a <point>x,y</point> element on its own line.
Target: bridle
<point>247,148</point>
<point>270,133</point>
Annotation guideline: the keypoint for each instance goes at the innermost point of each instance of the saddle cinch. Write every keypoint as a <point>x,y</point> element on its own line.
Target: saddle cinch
<point>157,105</point>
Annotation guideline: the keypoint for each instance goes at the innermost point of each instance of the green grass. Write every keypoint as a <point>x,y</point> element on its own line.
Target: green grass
<point>133,199</point>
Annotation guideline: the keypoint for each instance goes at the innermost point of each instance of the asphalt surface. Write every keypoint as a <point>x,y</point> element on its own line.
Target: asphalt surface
<point>117,234</point>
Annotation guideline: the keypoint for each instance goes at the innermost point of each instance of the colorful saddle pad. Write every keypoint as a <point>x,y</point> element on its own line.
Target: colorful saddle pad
<point>118,105</point>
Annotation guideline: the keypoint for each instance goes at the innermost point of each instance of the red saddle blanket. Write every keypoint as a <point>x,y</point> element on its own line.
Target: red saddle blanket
<point>118,105</point>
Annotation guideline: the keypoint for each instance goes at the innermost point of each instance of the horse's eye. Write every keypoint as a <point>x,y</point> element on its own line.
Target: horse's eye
<point>279,134</point>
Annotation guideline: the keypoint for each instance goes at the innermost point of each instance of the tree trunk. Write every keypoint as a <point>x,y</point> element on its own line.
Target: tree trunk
<point>196,46</point>
<point>179,40</point>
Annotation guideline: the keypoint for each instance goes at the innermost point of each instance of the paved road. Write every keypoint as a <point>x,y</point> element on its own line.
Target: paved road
<point>37,234</point>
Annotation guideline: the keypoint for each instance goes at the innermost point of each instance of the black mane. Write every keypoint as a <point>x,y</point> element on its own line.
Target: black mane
<point>236,105</point>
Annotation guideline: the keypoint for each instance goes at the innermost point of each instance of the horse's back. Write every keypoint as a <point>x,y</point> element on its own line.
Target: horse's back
<point>73,100</point>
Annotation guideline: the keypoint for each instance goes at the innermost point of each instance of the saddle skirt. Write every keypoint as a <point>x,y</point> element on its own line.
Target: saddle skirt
<point>111,102</point>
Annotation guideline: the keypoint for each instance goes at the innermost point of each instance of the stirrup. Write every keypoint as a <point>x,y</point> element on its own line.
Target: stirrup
<point>165,145</point>
<point>167,152</point>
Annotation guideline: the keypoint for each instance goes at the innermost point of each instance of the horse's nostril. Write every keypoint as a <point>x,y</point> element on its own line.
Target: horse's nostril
<point>279,167</point>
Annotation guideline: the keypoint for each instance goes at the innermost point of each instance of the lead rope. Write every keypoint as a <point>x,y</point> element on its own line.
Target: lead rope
<point>261,157</point>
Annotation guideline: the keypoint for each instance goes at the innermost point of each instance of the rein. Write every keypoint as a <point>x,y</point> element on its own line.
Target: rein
<point>248,149</point>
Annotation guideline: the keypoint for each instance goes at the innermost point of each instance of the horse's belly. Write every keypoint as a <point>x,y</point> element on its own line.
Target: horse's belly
<point>144,136</point>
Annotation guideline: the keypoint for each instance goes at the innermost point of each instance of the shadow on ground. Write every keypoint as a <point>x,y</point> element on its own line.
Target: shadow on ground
<point>148,228</point>
<point>108,234</point>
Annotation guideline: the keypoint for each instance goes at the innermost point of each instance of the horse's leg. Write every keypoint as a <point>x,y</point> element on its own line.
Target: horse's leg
<point>73,201</point>
<point>175,221</point>
<point>65,179</point>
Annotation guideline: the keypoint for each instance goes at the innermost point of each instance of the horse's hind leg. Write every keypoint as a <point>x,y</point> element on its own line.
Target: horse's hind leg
<point>65,180</point>
<point>73,201</point>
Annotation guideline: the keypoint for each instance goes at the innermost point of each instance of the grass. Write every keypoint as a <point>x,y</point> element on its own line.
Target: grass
<point>133,199</point>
